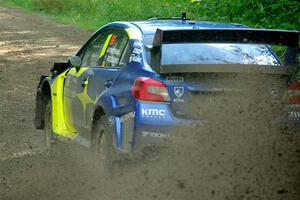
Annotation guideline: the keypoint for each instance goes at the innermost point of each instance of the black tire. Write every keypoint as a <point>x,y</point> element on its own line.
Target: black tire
<point>102,145</point>
<point>49,134</point>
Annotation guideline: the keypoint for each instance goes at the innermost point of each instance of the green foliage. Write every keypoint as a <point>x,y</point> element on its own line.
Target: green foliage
<point>91,14</point>
<point>284,14</point>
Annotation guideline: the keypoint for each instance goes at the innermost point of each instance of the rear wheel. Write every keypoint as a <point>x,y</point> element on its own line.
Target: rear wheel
<point>49,134</point>
<point>102,144</point>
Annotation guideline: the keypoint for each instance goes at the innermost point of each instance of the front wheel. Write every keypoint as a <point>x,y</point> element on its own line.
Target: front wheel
<point>49,134</point>
<point>102,144</point>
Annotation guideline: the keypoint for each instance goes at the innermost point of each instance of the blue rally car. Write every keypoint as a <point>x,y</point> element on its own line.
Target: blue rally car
<point>133,83</point>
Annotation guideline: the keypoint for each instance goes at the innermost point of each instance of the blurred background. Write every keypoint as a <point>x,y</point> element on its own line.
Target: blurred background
<point>92,14</point>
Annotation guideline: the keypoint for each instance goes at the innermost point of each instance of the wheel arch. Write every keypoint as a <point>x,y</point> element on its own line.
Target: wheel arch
<point>99,111</point>
<point>43,95</point>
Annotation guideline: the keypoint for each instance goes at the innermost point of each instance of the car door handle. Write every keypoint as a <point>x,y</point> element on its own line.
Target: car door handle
<point>108,83</point>
<point>84,82</point>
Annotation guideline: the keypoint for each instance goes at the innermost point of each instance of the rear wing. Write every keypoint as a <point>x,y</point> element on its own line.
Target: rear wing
<point>289,39</point>
<point>230,35</point>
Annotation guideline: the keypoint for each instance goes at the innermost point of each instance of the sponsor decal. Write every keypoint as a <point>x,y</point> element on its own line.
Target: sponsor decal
<point>137,51</point>
<point>135,58</point>
<point>157,135</point>
<point>124,118</point>
<point>179,91</point>
<point>178,100</point>
<point>172,79</point>
<point>294,115</point>
<point>137,44</point>
<point>153,113</point>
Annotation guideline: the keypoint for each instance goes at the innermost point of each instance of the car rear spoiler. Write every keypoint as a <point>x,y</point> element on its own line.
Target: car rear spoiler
<point>289,39</point>
<point>229,35</point>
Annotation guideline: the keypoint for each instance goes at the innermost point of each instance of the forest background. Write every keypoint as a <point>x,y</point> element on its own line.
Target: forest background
<point>92,14</point>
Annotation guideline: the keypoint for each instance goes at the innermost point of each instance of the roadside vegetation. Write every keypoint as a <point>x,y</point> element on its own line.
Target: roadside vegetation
<point>92,14</point>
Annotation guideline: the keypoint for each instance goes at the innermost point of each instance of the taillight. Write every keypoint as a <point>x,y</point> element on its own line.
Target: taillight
<point>293,93</point>
<point>148,89</point>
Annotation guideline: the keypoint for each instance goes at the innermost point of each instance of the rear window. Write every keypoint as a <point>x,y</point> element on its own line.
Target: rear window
<point>212,53</point>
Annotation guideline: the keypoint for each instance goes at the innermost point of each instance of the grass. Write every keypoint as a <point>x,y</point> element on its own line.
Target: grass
<point>92,14</point>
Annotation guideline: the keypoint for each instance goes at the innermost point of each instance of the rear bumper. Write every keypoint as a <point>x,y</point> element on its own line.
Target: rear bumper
<point>155,124</point>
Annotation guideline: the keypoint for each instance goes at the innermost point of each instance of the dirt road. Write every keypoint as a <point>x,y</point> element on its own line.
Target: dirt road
<point>234,163</point>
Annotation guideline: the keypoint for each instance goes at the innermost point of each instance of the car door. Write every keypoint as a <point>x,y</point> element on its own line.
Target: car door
<point>112,63</point>
<point>100,65</point>
<point>76,100</point>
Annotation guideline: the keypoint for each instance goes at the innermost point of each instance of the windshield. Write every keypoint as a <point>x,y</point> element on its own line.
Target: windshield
<point>212,53</point>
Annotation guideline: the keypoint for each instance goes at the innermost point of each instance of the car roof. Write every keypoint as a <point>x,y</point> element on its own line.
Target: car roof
<point>150,26</point>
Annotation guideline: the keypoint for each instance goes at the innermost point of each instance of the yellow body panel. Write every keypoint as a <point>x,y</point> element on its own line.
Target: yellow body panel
<point>85,100</point>
<point>59,124</point>
<point>62,120</point>
<point>133,34</point>
<point>102,52</point>
<point>77,74</point>
<point>58,120</point>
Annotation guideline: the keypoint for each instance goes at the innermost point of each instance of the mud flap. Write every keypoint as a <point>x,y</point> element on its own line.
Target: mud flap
<point>39,108</point>
<point>123,130</point>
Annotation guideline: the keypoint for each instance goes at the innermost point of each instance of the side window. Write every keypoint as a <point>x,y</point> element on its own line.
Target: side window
<point>117,52</point>
<point>91,55</point>
<point>124,60</point>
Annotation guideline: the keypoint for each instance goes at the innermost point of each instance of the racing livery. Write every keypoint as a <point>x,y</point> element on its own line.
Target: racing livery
<point>133,82</point>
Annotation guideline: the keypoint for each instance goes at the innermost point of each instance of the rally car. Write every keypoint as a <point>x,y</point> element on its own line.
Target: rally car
<point>132,83</point>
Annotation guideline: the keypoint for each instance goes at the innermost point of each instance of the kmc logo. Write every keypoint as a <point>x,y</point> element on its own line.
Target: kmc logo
<point>153,112</point>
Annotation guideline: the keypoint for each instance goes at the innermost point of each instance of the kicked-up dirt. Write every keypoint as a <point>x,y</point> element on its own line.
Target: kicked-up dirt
<point>230,160</point>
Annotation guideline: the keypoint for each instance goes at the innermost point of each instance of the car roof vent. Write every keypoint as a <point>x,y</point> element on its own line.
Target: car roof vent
<point>182,18</point>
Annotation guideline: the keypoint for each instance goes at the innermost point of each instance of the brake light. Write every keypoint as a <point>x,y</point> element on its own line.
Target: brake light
<point>148,89</point>
<point>293,93</point>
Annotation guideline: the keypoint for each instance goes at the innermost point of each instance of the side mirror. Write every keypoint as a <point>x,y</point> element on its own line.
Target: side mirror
<point>75,61</point>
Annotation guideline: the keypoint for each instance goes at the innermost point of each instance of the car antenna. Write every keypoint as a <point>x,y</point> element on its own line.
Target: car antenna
<point>183,17</point>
